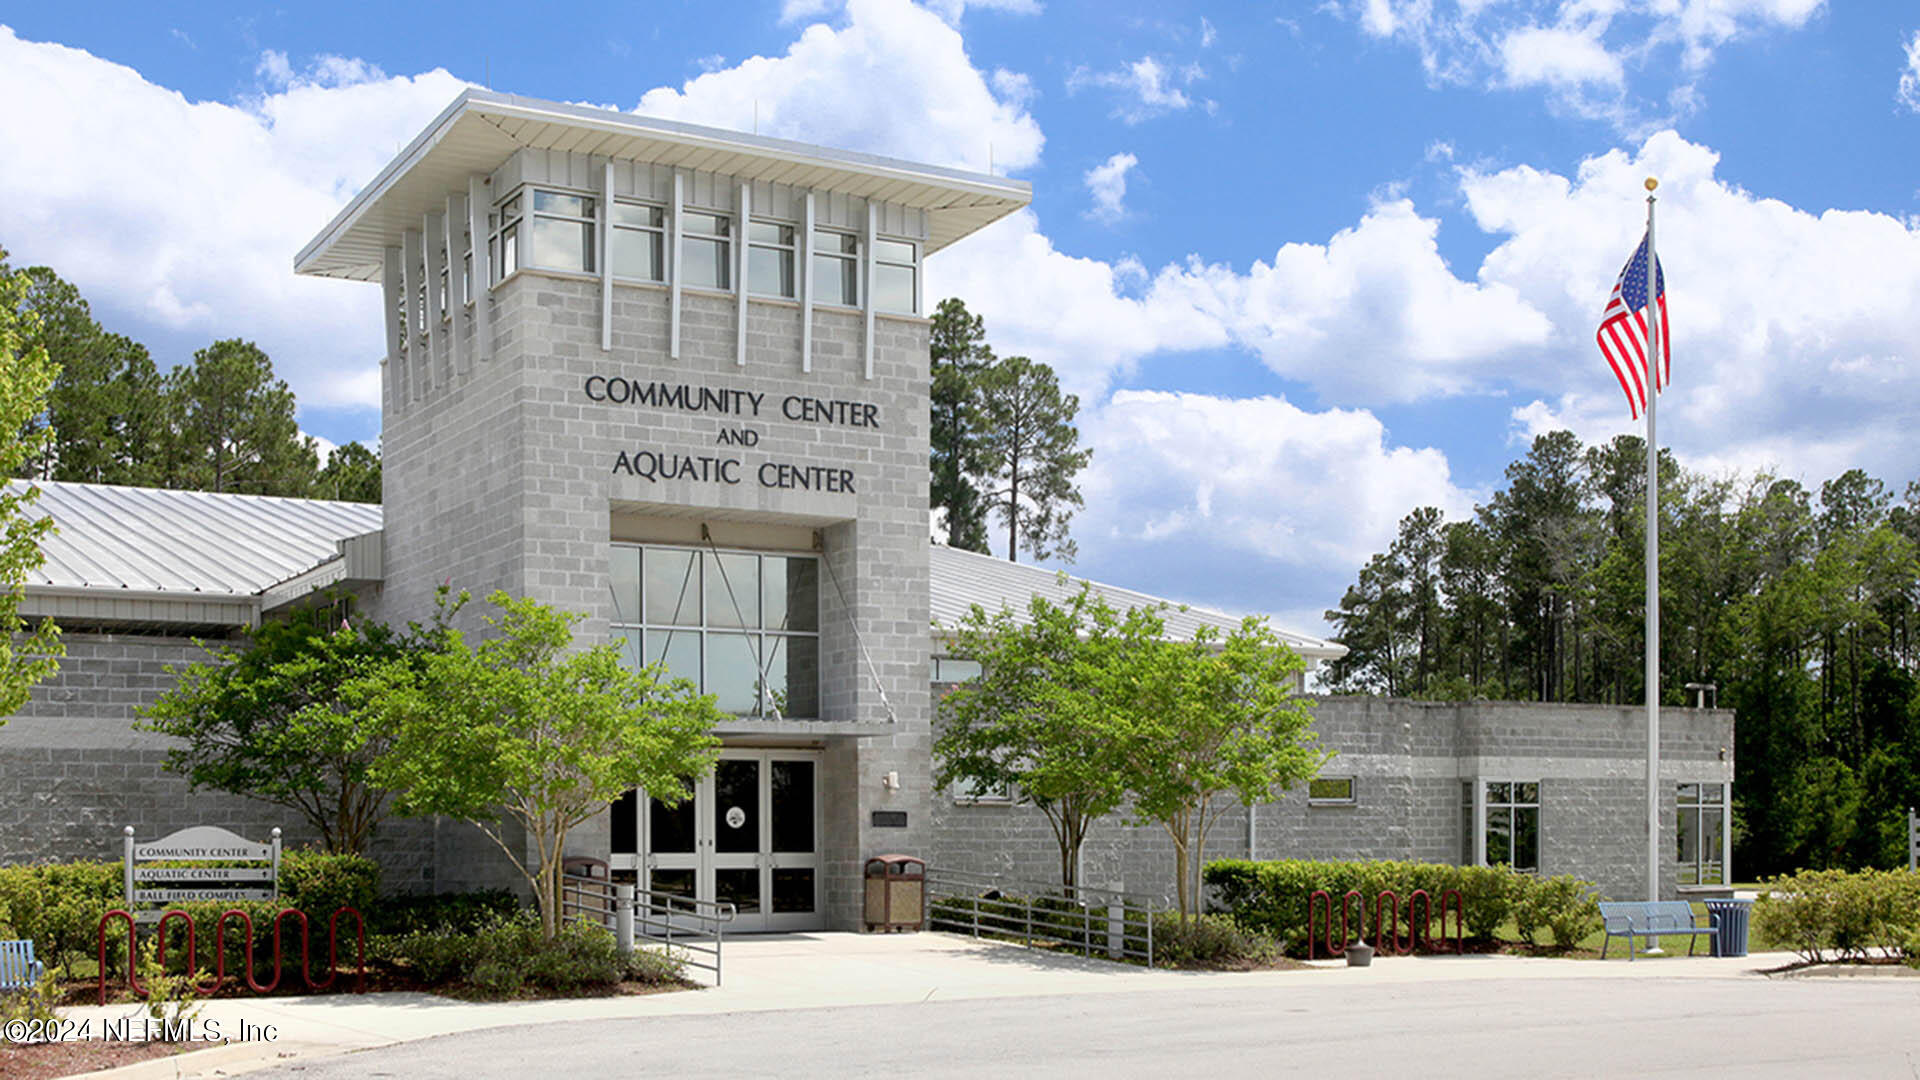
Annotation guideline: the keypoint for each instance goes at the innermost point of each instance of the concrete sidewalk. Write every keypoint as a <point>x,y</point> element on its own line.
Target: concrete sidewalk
<point>802,971</point>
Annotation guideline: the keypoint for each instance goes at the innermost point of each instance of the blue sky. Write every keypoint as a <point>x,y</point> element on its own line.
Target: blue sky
<point>1307,264</point>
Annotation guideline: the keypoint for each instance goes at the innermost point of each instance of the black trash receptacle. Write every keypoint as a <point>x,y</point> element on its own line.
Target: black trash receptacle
<point>1731,939</point>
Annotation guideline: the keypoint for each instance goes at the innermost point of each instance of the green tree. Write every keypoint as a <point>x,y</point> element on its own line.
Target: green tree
<point>352,473</point>
<point>1218,718</point>
<point>525,737</point>
<point>26,656</point>
<point>285,720</point>
<point>959,357</point>
<point>1049,714</point>
<point>236,425</point>
<point>1030,453</point>
<point>103,404</point>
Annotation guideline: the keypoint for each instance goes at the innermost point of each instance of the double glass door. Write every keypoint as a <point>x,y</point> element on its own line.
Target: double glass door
<point>749,837</point>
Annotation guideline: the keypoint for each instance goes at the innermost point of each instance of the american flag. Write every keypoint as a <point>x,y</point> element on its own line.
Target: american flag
<point>1623,331</point>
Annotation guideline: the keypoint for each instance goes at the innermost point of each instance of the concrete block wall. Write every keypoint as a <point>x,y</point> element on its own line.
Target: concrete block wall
<point>75,770</point>
<point>1408,760</point>
<point>506,479</point>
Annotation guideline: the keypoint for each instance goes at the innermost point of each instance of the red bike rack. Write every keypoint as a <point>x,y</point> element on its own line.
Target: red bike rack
<point>220,950</point>
<point>1388,914</point>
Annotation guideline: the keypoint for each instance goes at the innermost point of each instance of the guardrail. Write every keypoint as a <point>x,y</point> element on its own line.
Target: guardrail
<point>692,931</point>
<point>1084,921</point>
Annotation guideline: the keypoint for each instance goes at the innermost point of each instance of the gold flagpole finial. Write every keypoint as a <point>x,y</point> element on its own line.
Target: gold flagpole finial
<point>1652,183</point>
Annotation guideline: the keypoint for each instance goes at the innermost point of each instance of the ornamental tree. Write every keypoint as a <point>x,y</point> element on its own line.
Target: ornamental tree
<point>286,720</point>
<point>1215,718</point>
<point>25,374</point>
<point>525,737</point>
<point>1048,716</point>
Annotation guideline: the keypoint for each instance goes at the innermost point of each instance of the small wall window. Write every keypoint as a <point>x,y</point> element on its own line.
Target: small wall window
<point>1331,791</point>
<point>563,227</point>
<point>948,670</point>
<point>971,794</point>
<point>503,241</point>
<point>836,268</point>
<point>894,267</point>
<point>1701,833</point>
<point>466,267</point>
<point>1513,825</point>
<point>706,246</point>
<point>638,242</point>
<point>770,258</point>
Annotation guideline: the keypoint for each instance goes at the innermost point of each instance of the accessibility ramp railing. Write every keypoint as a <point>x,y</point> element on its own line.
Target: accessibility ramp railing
<point>1083,921</point>
<point>694,932</point>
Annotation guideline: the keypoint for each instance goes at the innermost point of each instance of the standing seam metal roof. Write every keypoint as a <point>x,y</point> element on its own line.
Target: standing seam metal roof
<point>961,579</point>
<point>191,542</point>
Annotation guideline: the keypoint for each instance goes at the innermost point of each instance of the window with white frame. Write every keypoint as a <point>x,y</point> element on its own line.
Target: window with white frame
<point>466,266</point>
<point>948,670</point>
<point>562,231</point>
<point>706,250</point>
<point>836,268</point>
<point>973,793</point>
<point>742,626</point>
<point>770,248</point>
<point>503,240</point>
<point>638,241</point>
<point>893,276</point>
<point>1331,791</point>
<point>1512,824</point>
<point>1701,833</point>
<point>446,285</point>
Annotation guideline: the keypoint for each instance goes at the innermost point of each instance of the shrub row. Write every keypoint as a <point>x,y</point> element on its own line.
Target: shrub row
<point>509,957</point>
<point>1272,897</point>
<point>1823,914</point>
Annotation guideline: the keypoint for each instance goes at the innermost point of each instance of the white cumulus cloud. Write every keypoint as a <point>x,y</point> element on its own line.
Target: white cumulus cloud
<point>1792,329</point>
<point>1146,88</point>
<point>935,107</point>
<point>1107,183</point>
<point>186,215</point>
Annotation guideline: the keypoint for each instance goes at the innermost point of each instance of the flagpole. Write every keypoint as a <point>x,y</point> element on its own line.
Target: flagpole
<point>1653,558</point>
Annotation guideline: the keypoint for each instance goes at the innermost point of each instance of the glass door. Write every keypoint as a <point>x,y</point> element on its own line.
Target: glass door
<point>792,887</point>
<point>749,836</point>
<point>736,815</point>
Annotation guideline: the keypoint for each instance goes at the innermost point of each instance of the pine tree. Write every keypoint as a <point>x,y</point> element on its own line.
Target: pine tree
<point>959,357</point>
<point>1030,453</point>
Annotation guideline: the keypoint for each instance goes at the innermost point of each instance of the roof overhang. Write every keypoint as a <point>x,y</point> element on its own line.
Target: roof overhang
<point>481,129</point>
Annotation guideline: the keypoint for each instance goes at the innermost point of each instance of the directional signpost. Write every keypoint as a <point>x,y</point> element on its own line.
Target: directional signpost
<point>173,884</point>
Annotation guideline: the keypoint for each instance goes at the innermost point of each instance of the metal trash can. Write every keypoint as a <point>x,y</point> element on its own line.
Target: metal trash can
<point>896,891</point>
<point>1731,937</point>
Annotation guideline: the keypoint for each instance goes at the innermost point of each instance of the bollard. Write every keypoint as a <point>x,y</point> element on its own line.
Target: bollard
<point>1116,920</point>
<point>623,917</point>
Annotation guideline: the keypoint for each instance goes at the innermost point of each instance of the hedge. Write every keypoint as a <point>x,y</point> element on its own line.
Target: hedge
<point>1272,897</point>
<point>1822,913</point>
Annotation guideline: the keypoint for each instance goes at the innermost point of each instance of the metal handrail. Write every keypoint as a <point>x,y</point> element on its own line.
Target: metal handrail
<point>684,923</point>
<point>1090,921</point>
<point>695,927</point>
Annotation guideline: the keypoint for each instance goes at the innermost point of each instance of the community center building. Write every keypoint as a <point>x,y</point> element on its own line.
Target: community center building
<point>676,379</point>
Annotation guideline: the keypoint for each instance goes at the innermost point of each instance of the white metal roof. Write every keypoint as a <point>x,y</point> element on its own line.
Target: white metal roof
<point>961,579</point>
<point>132,540</point>
<point>481,129</point>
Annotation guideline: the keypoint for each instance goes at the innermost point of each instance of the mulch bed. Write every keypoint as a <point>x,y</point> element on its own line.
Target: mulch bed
<point>43,1061</point>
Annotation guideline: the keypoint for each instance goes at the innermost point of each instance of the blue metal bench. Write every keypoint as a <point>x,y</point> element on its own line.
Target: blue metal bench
<point>1654,919</point>
<point>18,969</point>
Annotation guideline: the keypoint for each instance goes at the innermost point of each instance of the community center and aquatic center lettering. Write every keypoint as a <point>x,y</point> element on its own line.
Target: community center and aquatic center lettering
<point>657,465</point>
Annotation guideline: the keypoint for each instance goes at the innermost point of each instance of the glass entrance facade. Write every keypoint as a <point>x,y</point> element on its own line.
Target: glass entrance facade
<point>742,626</point>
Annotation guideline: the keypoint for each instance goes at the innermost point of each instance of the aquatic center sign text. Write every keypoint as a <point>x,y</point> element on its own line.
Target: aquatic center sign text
<point>657,465</point>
